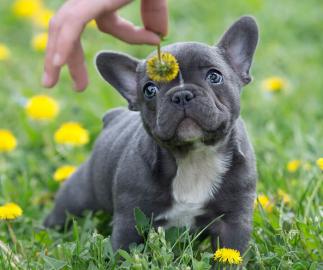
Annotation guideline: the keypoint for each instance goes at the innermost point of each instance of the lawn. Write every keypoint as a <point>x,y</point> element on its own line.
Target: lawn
<point>284,118</point>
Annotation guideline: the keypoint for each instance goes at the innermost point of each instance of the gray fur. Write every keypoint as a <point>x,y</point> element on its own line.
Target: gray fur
<point>142,157</point>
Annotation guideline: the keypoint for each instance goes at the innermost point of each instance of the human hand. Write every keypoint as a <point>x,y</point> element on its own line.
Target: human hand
<point>64,40</point>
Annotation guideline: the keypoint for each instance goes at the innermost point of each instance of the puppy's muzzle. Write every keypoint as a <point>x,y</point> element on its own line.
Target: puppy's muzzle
<point>182,98</point>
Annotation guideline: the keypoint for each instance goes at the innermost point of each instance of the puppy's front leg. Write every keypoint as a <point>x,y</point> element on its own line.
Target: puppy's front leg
<point>232,234</point>
<point>124,231</point>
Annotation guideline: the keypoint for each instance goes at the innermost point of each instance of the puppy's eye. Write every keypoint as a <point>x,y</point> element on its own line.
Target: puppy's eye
<point>150,90</point>
<point>214,77</point>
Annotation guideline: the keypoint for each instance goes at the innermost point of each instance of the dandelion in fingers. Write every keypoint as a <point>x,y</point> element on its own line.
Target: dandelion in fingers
<point>162,67</point>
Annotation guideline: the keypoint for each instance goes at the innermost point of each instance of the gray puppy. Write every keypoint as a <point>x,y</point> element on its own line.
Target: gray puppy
<point>181,153</point>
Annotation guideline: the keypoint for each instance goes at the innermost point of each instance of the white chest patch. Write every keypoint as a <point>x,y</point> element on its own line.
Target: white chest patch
<point>198,177</point>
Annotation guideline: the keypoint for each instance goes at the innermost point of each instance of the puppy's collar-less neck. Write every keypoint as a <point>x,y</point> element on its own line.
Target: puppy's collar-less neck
<point>198,178</point>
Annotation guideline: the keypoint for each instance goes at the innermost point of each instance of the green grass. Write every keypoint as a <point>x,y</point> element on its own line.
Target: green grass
<point>283,126</point>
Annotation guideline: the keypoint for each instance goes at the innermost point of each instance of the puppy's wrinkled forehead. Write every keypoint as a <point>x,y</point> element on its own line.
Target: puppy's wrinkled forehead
<point>193,55</point>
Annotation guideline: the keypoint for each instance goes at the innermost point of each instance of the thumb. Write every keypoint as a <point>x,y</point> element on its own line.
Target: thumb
<point>154,15</point>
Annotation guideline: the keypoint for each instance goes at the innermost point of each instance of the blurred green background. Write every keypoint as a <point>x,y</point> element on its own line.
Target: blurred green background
<point>284,125</point>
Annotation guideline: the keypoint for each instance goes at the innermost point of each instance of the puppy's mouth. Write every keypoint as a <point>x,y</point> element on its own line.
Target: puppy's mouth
<point>189,131</point>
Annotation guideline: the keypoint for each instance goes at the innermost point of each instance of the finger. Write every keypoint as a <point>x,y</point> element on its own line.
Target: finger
<point>154,16</point>
<point>65,32</point>
<point>77,68</point>
<point>67,39</point>
<point>72,18</point>
<point>74,15</point>
<point>51,72</point>
<point>126,31</point>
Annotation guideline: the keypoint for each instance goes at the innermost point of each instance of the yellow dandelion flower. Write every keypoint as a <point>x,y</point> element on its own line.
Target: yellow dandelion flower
<point>63,172</point>
<point>71,133</point>
<point>26,8</point>
<point>274,84</point>
<point>8,141</point>
<point>164,70</point>
<point>4,52</point>
<point>39,42</point>
<point>293,165</point>
<point>42,17</point>
<point>265,203</point>
<point>228,255</point>
<point>42,108</point>
<point>10,211</point>
<point>319,163</point>
<point>284,196</point>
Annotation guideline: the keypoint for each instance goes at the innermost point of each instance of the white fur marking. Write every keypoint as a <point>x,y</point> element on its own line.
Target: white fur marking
<point>199,176</point>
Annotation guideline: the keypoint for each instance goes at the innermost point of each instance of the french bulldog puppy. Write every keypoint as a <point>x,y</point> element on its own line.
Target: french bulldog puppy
<point>180,153</point>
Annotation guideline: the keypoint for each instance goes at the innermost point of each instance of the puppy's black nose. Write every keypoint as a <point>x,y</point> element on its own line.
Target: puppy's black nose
<point>182,97</point>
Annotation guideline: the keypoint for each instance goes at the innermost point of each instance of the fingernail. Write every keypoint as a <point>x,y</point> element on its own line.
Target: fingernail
<point>57,60</point>
<point>45,79</point>
<point>77,87</point>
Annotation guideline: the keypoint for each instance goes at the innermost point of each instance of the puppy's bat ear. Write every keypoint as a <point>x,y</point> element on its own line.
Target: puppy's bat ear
<point>120,71</point>
<point>238,45</point>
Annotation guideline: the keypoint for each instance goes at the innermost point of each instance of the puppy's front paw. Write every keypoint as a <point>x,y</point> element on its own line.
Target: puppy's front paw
<point>53,220</point>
